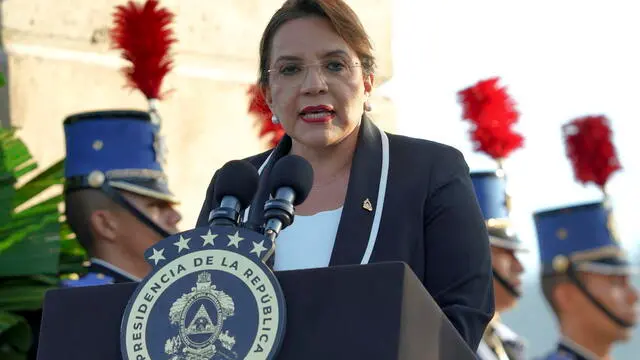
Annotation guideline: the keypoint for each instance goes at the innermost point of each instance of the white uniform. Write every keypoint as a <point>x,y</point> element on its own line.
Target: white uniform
<point>501,343</point>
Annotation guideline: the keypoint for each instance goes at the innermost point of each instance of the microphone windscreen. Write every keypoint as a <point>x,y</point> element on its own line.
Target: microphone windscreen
<point>236,178</point>
<point>295,172</point>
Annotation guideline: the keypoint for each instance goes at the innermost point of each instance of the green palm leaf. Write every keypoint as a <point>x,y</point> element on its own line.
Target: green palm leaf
<point>36,246</point>
<point>52,176</point>
<point>15,336</point>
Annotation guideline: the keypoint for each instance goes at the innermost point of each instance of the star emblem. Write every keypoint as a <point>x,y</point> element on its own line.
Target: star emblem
<point>258,248</point>
<point>235,240</point>
<point>208,238</point>
<point>157,256</point>
<point>182,244</point>
<point>562,233</point>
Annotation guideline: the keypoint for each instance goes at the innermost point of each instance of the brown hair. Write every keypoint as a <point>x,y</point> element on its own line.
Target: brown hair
<point>79,206</point>
<point>343,19</point>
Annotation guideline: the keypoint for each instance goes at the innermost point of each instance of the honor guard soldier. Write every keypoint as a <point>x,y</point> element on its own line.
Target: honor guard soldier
<point>585,280</point>
<point>499,341</point>
<point>492,113</point>
<point>585,272</point>
<point>117,199</point>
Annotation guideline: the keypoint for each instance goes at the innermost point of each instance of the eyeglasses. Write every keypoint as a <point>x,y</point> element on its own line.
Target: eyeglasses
<point>294,73</point>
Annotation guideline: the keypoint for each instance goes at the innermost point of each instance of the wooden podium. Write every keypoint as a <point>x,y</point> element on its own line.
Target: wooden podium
<point>376,311</point>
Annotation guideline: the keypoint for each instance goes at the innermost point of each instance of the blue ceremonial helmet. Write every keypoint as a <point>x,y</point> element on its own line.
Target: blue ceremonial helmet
<point>495,203</point>
<point>582,236</point>
<point>117,149</point>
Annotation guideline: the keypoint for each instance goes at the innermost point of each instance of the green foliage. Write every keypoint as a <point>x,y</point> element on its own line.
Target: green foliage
<point>15,336</point>
<point>36,245</point>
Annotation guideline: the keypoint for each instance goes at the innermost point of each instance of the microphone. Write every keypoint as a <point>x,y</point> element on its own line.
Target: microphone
<point>236,184</point>
<point>290,183</point>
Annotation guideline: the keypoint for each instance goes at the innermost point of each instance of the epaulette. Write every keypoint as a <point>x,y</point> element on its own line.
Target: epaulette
<point>90,279</point>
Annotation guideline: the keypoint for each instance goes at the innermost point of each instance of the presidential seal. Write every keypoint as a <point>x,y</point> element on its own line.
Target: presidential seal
<point>208,297</point>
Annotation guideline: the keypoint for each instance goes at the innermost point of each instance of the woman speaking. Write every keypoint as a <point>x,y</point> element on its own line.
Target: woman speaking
<point>375,196</point>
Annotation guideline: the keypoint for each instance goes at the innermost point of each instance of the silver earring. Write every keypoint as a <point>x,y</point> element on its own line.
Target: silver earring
<point>274,119</point>
<point>367,106</point>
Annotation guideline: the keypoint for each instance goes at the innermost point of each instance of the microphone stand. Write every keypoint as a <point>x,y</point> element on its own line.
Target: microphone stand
<point>271,235</point>
<point>278,213</point>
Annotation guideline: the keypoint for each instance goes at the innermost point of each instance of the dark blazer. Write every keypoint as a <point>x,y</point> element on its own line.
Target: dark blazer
<point>428,217</point>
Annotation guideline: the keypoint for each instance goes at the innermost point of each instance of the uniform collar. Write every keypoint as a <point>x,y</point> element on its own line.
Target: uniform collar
<point>511,343</point>
<point>505,333</point>
<point>119,275</point>
<point>569,346</point>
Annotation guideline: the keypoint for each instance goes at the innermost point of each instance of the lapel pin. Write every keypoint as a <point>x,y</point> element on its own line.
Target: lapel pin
<point>367,205</point>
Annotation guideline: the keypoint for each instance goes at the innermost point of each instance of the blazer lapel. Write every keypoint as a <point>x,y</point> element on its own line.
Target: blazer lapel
<point>360,203</point>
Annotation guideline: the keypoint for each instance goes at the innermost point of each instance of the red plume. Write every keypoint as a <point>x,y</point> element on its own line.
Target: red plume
<point>492,113</point>
<point>590,149</point>
<point>142,33</point>
<point>258,107</point>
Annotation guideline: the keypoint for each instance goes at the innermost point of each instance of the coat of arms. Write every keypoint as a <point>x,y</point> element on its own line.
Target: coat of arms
<point>209,297</point>
<point>200,335</point>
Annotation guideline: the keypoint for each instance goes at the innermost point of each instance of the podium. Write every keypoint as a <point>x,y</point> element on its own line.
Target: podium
<point>376,311</point>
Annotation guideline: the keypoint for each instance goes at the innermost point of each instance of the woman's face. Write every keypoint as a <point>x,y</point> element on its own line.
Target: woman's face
<point>316,85</point>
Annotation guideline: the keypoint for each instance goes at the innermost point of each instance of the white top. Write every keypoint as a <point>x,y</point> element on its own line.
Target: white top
<point>308,241</point>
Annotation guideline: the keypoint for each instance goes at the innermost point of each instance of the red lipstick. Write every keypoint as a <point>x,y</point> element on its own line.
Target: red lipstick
<point>317,114</point>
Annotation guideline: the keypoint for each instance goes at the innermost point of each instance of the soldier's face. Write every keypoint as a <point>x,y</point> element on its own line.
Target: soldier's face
<point>136,236</point>
<point>506,264</point>
<point>614,292</point>
<point>161,212</point>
